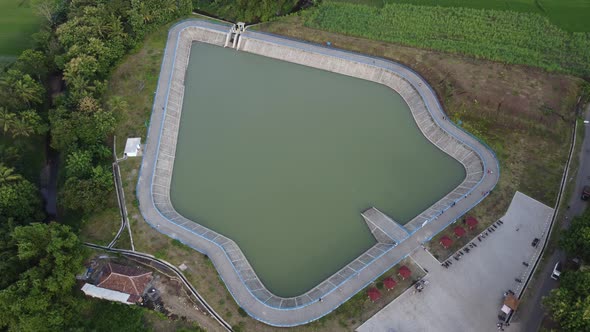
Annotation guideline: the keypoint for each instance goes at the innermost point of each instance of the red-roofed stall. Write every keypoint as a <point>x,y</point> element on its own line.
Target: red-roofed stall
<point>471,222</point>
<point>459,231</point>
<point>389,283</point>
<point>446,242</point>
<point>404,272</point>
<point>374,294</point>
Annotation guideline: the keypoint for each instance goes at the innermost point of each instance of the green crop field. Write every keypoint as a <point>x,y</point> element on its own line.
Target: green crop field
<point>504,36</point>
<point>17,24</point>
<point>571,15</point>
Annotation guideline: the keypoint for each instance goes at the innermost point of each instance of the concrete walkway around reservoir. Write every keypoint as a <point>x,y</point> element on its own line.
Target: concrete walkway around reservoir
<point>468,295</point>
<point>233,267</point>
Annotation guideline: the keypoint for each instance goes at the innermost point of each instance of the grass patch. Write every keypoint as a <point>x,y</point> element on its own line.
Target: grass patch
<point>102,226</point>
<point>17,23</point>
<point>181,245</point>
<point>135,81</point>
<point>570,15</point>
<point>506,36</point>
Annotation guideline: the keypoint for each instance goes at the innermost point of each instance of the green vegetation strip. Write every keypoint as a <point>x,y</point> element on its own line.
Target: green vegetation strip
<point>17,24</point>
<point>571,15</point>
<point>510,37</point>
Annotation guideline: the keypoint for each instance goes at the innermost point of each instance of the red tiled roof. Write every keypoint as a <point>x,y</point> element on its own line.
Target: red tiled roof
<point>471,222</point>
<point>389,282</point>
<point>445,241</point>
<point>459,231</point>
<point>404,272</point>
<point>374,294</point>
<point>124,279</point>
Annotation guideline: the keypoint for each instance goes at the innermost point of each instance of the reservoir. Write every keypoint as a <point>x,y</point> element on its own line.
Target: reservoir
<point>283,158</point>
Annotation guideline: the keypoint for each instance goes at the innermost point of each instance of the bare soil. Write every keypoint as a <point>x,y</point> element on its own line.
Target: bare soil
<point>177,301</point>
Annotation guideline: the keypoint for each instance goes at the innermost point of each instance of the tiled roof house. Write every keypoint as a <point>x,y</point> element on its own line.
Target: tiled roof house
<point>122,279</point>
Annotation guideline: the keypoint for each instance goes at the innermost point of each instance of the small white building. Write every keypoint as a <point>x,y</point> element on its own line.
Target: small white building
<point>133,147</point>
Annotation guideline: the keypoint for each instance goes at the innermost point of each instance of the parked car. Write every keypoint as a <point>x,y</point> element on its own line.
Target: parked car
<point>535,242</point>
<point>556,271</point>
<point>586,193</point>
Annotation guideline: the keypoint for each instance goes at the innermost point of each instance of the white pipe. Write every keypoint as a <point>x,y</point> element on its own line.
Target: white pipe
<point>239,42</point>
<point>236,37</point>
<point>227,37</point>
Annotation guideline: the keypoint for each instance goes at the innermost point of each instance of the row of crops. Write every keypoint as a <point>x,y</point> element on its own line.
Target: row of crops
<point>504,36</point>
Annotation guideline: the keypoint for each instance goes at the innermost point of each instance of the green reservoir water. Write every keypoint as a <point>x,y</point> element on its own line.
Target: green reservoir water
<point>283,158</point>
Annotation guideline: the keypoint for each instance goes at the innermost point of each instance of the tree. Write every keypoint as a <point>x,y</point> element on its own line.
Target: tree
<point>247,10</point>
<point>19,200</point>
<point>87,195</point>
<point>8,176</point>
<point>84,66</point>
<point>84,128</point>
<point>48,9</point>
<point>569,304</point>
<point>33,63</point>
<point>108,316</point>
<point>7,119</point>
<point>79,164</point>
<point>21,129</point>
<point>20,90</point>
<point>576,239</point>
<point>42,298</point>
<point>117,105</point>
<point>26,123</point>
<point>33,121</point>
<point>63,131</point>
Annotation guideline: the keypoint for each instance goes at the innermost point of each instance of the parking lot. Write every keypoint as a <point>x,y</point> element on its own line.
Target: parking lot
<point>468,295</point>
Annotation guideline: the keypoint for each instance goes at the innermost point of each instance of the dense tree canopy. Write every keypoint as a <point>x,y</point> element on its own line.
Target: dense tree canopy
<point>41,299</point>
<point>80,42</point>
<point>576,240</point>
<point>93,38</point>
<point>86,194</point>
<point>250,11</point>
<point>19,198</point>
<point>570,303</point>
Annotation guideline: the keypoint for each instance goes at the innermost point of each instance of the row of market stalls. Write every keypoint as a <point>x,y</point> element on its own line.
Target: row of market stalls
<point>389,283</point>
<point>459,231</point>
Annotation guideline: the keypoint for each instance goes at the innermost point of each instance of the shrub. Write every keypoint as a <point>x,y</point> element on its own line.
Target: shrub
<point>242,312</point>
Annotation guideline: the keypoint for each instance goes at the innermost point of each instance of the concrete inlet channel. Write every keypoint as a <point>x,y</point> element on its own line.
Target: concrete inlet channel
<point>394,242</point>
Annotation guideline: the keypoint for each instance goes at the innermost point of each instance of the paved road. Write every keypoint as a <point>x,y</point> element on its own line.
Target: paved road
<point>530,315</point>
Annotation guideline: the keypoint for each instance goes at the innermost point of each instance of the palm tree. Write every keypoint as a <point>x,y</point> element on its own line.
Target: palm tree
<point>18,89</point>
<point>170,7</point>
<point>115,27</point>
<point>117,104</point>
<point>145,13</point>
<point>21,128</point>
<point>28,91</point>
<point>7,175</point>
<point>7,119</point>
